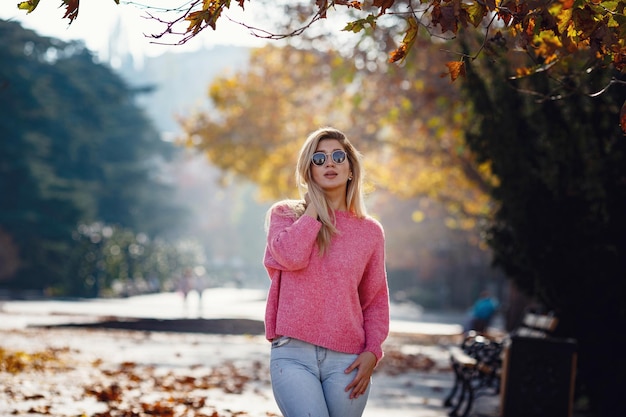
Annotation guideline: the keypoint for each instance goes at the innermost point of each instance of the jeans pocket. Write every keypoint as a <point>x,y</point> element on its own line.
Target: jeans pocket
<point>280,341</point>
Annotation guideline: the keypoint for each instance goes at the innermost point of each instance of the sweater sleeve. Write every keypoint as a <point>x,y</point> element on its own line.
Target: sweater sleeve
<point>290,241</point>
<point>374,295</point>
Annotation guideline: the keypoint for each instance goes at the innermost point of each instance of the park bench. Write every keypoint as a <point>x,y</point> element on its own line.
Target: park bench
<point>483,364</point>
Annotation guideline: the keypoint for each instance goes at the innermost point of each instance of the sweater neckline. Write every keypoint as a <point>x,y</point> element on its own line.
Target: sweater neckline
<point>343,213</point>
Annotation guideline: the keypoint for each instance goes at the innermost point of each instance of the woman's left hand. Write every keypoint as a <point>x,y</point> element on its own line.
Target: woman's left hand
<point>365,364</point>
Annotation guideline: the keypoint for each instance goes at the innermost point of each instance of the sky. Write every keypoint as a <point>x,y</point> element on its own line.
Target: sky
<point>98,23</point>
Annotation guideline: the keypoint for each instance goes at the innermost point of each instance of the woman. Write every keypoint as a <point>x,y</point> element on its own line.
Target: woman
<point>327,311</point>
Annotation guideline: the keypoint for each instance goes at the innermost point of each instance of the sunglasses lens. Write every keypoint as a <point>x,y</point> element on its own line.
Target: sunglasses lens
<point>318,158</point>
<point>339,156</point>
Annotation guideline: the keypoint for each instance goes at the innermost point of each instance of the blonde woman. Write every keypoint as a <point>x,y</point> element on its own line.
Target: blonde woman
<point>327,311</point>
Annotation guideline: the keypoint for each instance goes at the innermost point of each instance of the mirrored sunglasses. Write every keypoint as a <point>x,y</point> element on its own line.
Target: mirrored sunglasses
<point>319,158</point>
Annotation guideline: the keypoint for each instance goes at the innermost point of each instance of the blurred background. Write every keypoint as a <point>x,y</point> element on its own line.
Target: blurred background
<point>129,169</point>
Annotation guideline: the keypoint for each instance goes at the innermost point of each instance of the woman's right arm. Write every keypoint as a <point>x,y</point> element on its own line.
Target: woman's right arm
<point>290,242</point>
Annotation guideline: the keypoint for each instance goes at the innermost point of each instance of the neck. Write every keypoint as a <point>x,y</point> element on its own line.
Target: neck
<point>337,204</point>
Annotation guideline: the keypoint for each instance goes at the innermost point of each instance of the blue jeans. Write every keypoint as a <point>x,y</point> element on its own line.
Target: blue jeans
<point>309,381</point>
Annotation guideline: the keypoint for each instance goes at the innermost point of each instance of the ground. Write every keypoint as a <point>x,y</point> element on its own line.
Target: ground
<point>59,359</point>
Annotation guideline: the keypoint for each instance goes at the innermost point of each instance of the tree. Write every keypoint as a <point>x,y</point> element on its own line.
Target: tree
<point>412,136</point>
<point>547,36</point>
<point>412,139</point>
<point>559,229</point>
<point>74,149</point>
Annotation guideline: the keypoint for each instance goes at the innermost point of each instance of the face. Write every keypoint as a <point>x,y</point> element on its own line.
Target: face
<point>331,176</point>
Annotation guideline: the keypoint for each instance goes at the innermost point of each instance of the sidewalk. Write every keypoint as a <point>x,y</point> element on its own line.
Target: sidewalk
<point>395,392</point>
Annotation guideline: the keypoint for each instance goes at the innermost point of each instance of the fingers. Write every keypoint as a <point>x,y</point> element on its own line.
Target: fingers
<point>365,367</point>
<point>358,386</point>
<point>352,366</point>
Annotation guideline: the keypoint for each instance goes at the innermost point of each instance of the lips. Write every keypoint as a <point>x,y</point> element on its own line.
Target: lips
<point>330,174</point>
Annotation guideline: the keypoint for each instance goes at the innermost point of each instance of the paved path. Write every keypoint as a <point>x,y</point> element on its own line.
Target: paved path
<point>405,394</point>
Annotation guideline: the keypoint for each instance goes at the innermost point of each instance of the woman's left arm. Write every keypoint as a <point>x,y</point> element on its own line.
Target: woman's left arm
<point>374,296</point>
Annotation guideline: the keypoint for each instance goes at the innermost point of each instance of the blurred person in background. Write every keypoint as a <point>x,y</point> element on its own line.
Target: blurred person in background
<point>482,312</point>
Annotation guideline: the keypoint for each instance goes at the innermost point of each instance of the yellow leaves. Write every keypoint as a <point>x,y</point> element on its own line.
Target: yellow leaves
<point>407,43</point>
<point>485,172</point>
<point>475,12</point>
<point>460,223</point>
<point>260,116</point>
<point>567,29</point>
<point>28,5</point>
<point>418,216</point>
<point>71,7</point>
<point>15,362</point>
<point>547,46</point>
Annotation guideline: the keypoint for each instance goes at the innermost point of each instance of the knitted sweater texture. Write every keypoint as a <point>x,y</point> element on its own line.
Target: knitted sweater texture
<point>340,300</point>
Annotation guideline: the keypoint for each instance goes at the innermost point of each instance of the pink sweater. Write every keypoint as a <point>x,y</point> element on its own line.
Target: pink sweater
<point>339,301</point>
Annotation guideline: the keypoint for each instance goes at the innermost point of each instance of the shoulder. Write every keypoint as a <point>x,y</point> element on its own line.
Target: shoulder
<point>373,222</point>
<point>371,225</point>
<point>287,208</point>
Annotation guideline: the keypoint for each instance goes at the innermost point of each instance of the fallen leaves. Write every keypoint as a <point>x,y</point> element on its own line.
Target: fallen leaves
<point>123,390</point>
<point>395,363</point>
<point>14,362</point>
<point>63,382</point>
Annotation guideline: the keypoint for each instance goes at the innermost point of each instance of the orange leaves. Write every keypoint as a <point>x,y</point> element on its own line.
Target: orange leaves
<point>383,5</point>
<point>595,27</point>
<point>207,16</point>
<point>71,7</point>
<point>456,69</point>
<point>446,16</point>
<point>42,383</point>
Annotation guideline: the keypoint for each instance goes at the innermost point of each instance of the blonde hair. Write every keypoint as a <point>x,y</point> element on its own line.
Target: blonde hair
<point>304,180</point>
